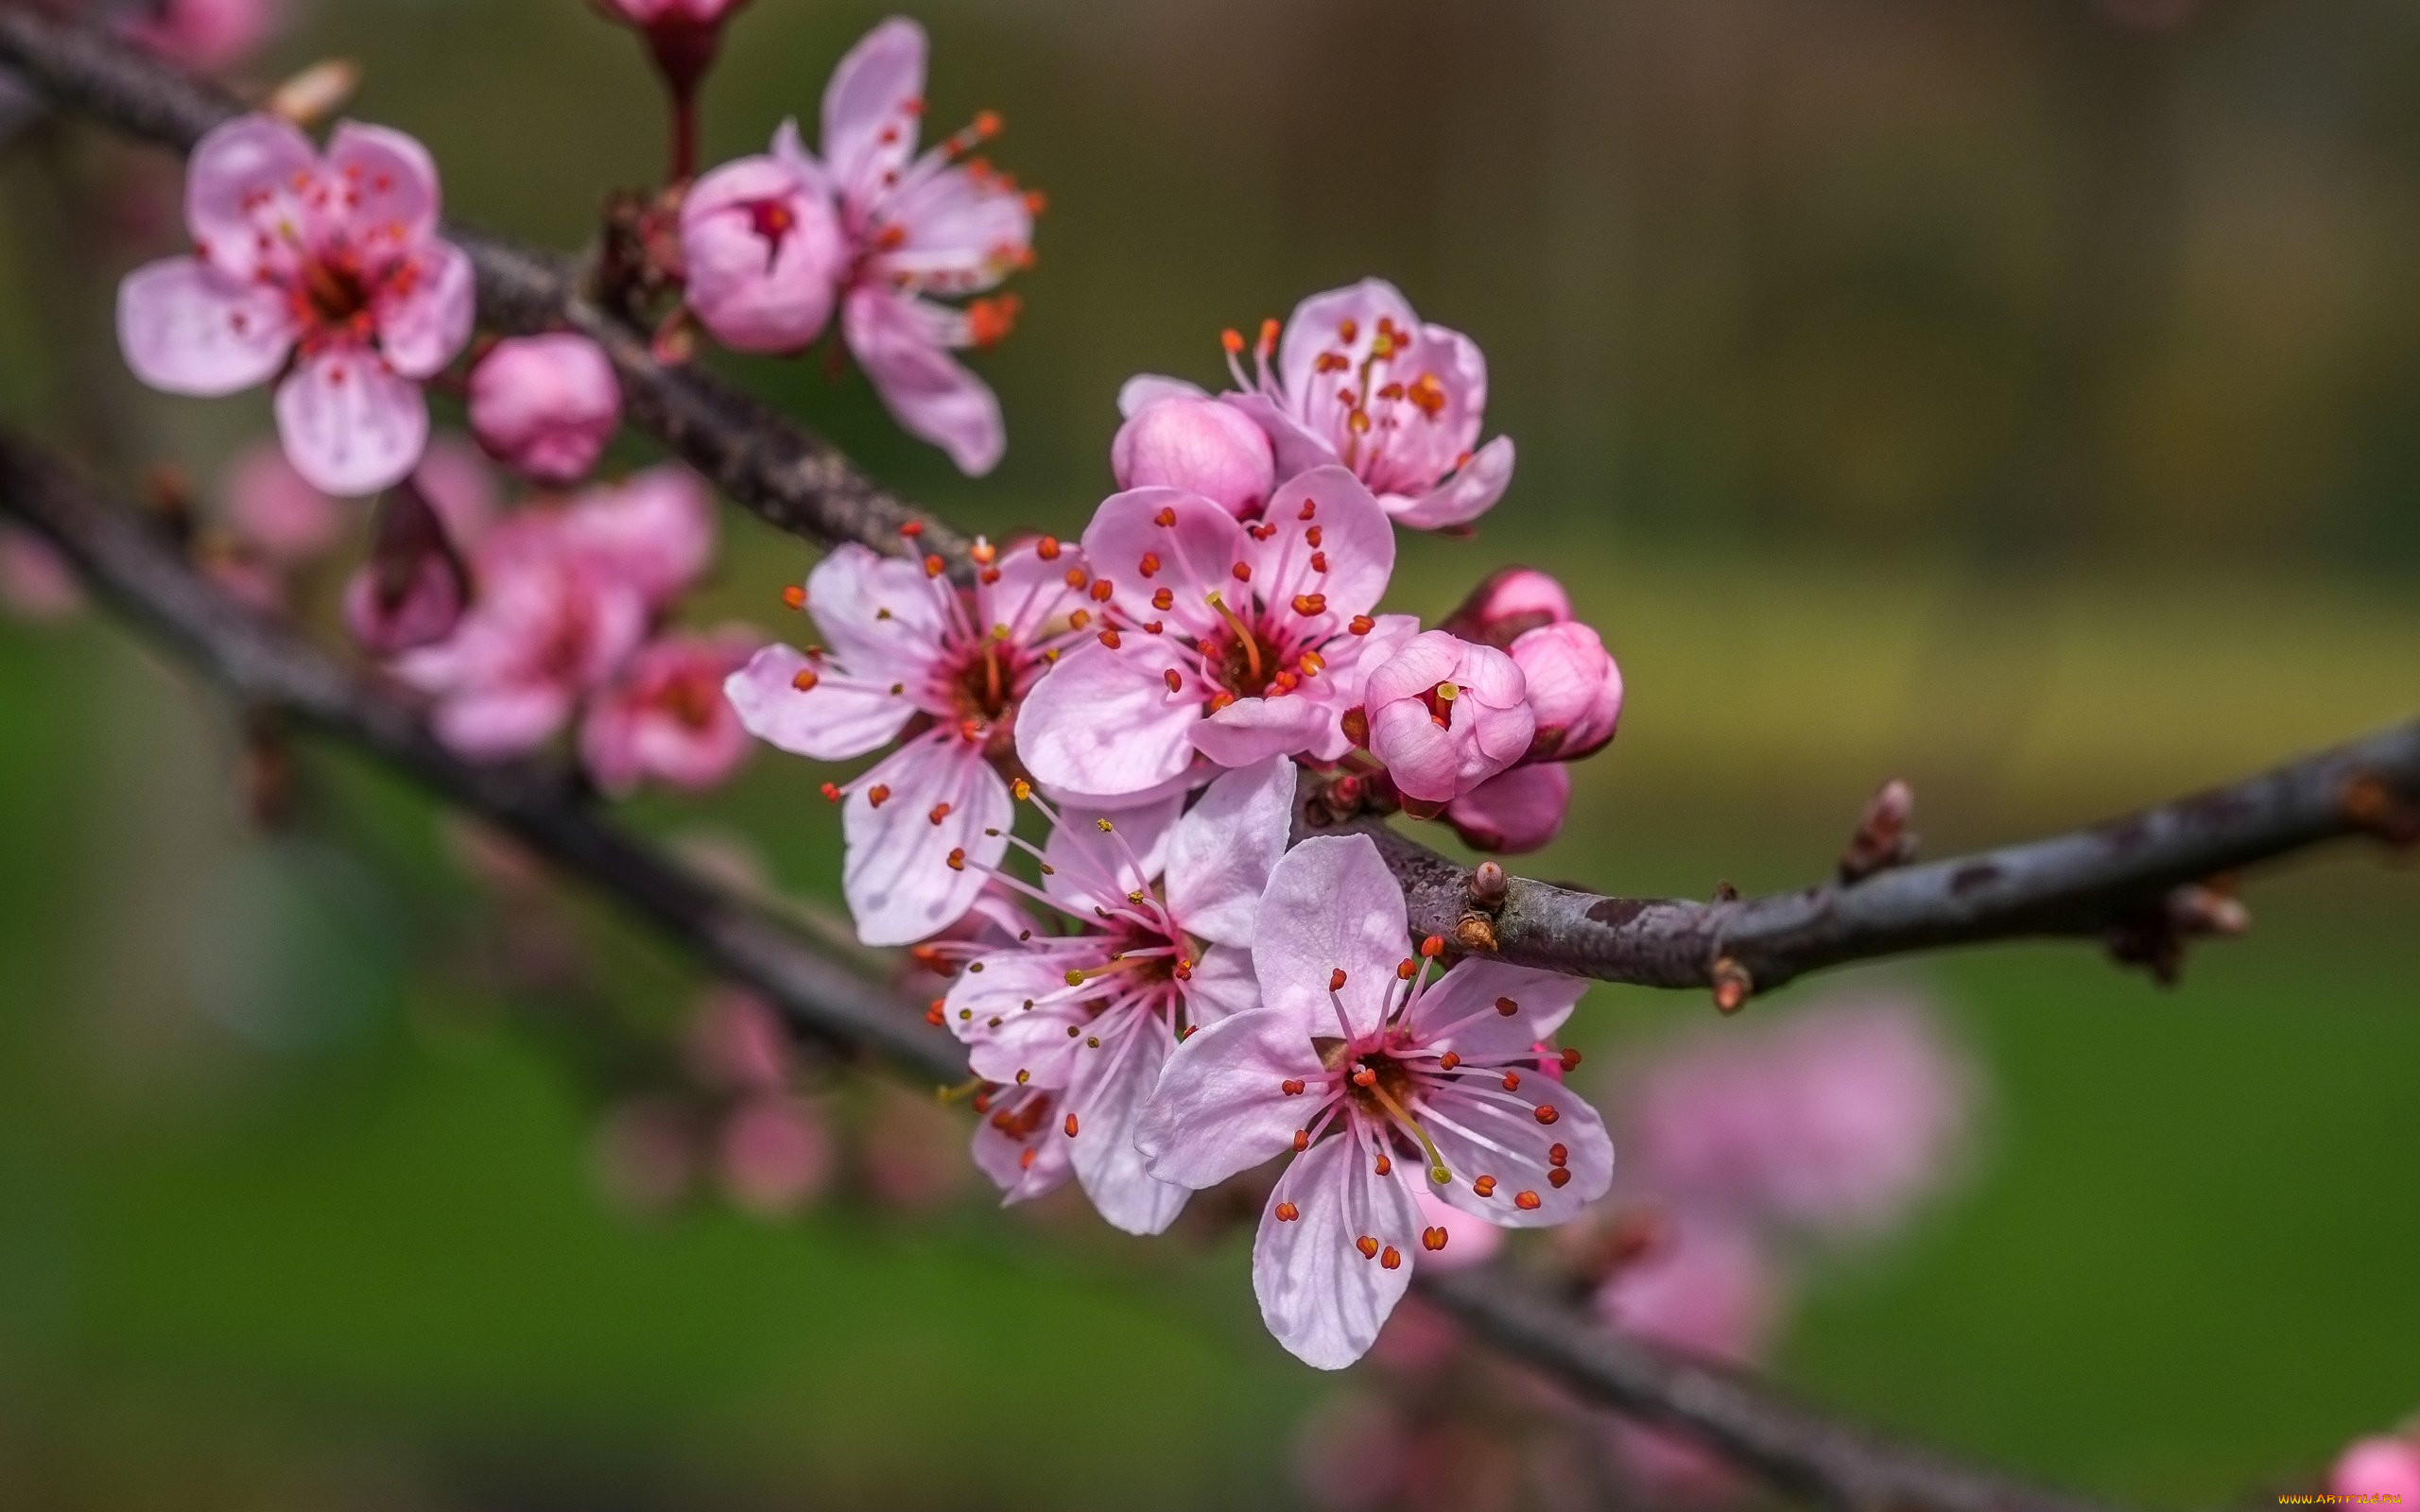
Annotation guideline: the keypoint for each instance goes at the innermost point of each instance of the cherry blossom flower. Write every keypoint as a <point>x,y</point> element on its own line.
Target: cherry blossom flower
<point>762,250</point>
<point>1383,1084</point>
<point>205,35</point>
<point>949,670</point>
<point>1229,641</point>
<point>1361,381</point>
<point>1200,446</point>
<point>274,509</point>
<point>666,717</point>
<point>1509,602</point>
<point>546,405</point>
<point>1575,690</point>
<point>1164,907</point>
<point>1446,715</point>
<point>946,224</point>
<point>1516,811</point>
<point>774,1155</point>
<point>2379,1469</point>
<point>325,269</point>
<point>562,598</point>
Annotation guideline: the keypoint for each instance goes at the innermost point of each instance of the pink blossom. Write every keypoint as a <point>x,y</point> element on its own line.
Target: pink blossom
<point>945,223</point>
<point>1224,640</point>
<point>1198,445</point>
<point>775,1155</point>
<point>1708,1290</point>
<point>1384,1086</point>
<point>414,587</point>
<point>274,509</point>
<point>666,717</point>
<point>1361,381</point>
<point>457,480</point>
<point>2388,1467</point>
<point>327,269</point>
<point>735,1042</point>
<point>36,583</point>
<point>1446,715</point>
<point>666,12</point>
<point>1516,811</point>
<point>1163,908</point>
<point>1575,690</point>
<point>947,669</point>
<point>762,249</point>
<point>1511,602</point>
<point>654,530</point>
<point>205,35</point>
<point>1837,1118</point>
<point>546,405</point>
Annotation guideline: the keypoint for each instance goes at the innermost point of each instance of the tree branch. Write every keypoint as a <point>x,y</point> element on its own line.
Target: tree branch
<point>133,567</point>
<point>784,472</point>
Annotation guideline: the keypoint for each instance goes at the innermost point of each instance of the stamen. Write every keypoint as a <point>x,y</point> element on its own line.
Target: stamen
<point>1243,632</point>
<point>1437,1171</point>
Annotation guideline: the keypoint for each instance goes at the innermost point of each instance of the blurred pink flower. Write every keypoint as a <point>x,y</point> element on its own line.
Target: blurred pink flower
<point>333,263</point>
<point>1446,715</point>
<point>762,250</point>
<point>1516,811</point>
<point>2379,1468</point>
<point>1708,1290</point>
<point>666,717</point>
<point>775,1155</point>
<point>414,586</point>
<point>36,583</point>
<point>1508,604</point>
<point>1198,445</point>
<point>546,405</point>
<point>461,485</point>
<point>736,1044</point>
<point>273,509</point>
<point>662,13</point>
<point>205,35</point>
<point>643,1154</point>
<point>1575,690</point>
<point>1836,1118</point>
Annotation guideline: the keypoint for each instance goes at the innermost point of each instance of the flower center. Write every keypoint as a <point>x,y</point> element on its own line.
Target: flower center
<point>335,290</point>
<point>1439,701</point>
<point>693,699</point>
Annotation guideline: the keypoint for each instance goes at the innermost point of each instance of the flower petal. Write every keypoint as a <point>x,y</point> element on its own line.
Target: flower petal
<point>1332,904</point>
<point>832,721</point>
<point>350,425</point>
<point>493,724</point>
<point>897,877</point>
<point>1250,731</point>
<point>1090,865</point>
<point>421,331</point>
<point>1319,1294</point>
<point>390,178</point>
<point>189,329</point>
<point>1111,1086</point>
<point>1356,542</point>
<point>1222,851</point>
<point>882,616</point>
<point>1103,722</point>
<point>930,394</point>
<point>870,107</point>
<point>242,180</point>
<point>1483,1132</point>
<point>1222,986</point>
<point>1023,1165</point>
<point>1192,557</point>
<point>1221,1106</point>
<point>1318,325</point>
<point>654,531</point>
<point>1145,389</point>
<point>1473,490</point>
<point>1015,1013</point>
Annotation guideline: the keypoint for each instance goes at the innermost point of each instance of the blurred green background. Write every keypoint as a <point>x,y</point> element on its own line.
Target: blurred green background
<point>2014,398</point>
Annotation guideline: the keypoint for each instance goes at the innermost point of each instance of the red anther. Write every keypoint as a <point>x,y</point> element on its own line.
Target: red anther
<point>1269,329</point>
<point>1260,530</point>
<point>1310,507</point>
<point>794,596</point>
<point>1356,725</point>
<point>1287,1213</point>
<point>878,795</point>
<point>988,123</point>
<point>1546,1113</point>
<point>988,575</point>
<point>957,860</point>
<point>1364,1076</point>
<point>1109,638</point>
<point>1302,1140</point>
<point>1149,565</point>
<point>1507,1008</point>
<point>1312,663</point>
<point>1310,604</point>
<point>1036,201</point>
<point>934,566</point>
<point>1484,1186</point>
<point>1512,1081</point>
<point>1025,1162</point>
<point>1433,946</point>
<point>1101,590</point>
<point>1286,682</point>
<point>1074,577</point>
<point>1558,1155</point>
<point>1384,1166</point>
<point>1166,519</point>
<point>984,553</point>
<point>1557,1177</point>
<point>933,1013</point>
<point>982,1103</point>
<point>1348,330</point>
<point>1218,700</point>
<point>1432,1239</point>
<point>1233,340</point>
<point>1185,1033</point>
<point>1314,536</point>
<point>1368,1246</point>
<point>940,811</point>
<point>1081,618</point>
<point>832,792</point>
<point>1407,968</point>
<point>1526,1201</point>
<point>1070,1126</point>
<point>1393,1259</point>
<point>1176,683</point>
<point>806,681</point>
<point>1291,1087</point>
<point>1046,548</point>
<point>1242,572</point>
<point>912,529</point>
<point>1319,561</point>
<point>1448,1060</point>
<point>1163,600</point>
<point>1362,625</point>
<point>1570,1060</point>
<point>1335,980</point>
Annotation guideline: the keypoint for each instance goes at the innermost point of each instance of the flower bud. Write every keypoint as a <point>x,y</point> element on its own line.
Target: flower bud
<point>1575,690</point>
<point>1508,603</point>
<point>1200,445</point>
<point>1446,715</point>
<point>274,511</point>
<point>764,250</point>
<point>545,406</point>
<point>2379,1469</point>
<point>1517,811</point>
<point>204,35</point>
<point>412,590</point>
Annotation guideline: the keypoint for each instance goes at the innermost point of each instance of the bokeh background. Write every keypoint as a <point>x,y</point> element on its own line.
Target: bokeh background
<point>2014,398</point>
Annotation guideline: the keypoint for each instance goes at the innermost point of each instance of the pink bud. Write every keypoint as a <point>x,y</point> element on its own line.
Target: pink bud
<point>1510,603</point>
<point>413,588</point>
<point>2382,1468</point>
<point>274,511</point>
<point>204,35</point>
<point>763,250</point>
<point>1575,690</point>
<point>663,12</point>
<point>736,1044</point>
<point>1446,715</point>
<point>776,1156</point>
<point>546,405</point>
<point>1200,445</point>
<point>1519,811</point>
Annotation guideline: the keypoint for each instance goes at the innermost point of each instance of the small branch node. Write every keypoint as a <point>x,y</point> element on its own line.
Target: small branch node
<point>1489,887</point>
<point>1732,984</point>
<point>2371,805</point>
<point>1475,932</point>
<point>1882,839</point>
